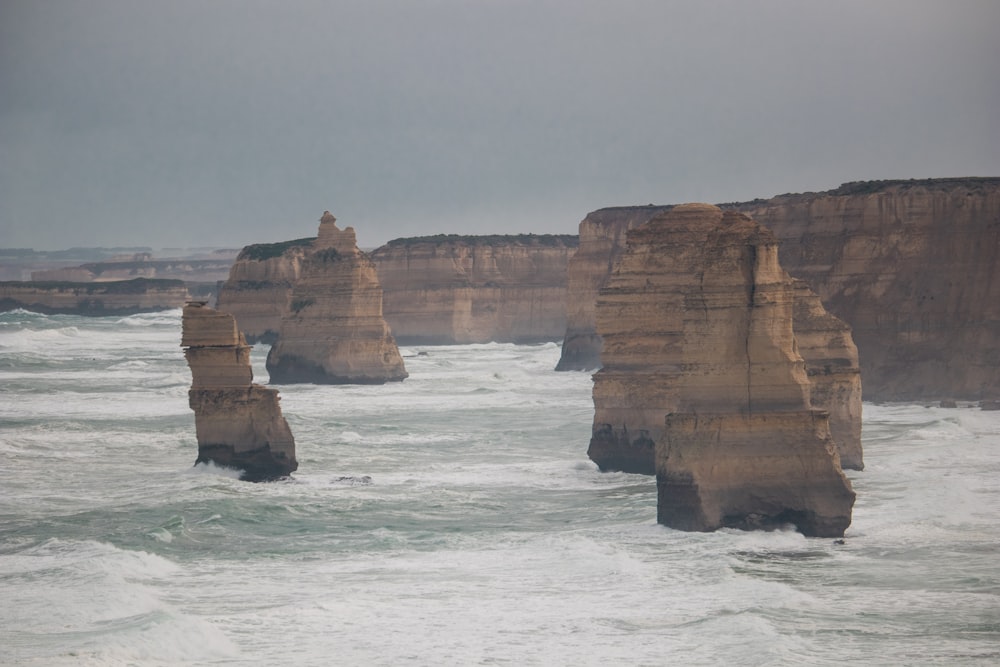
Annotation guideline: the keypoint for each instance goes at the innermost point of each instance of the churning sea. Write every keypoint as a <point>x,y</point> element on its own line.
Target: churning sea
<point>451,519</point>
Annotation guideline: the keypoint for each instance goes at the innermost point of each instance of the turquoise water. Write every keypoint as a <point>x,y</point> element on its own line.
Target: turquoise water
<point>452,519</point>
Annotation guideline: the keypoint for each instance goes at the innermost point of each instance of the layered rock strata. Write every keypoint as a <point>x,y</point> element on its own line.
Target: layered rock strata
<point>601,243</point>
<point>238,423</point>
<point>908,265</point>
<point>334,332</point>
<point>474,289</point>
<point>911,266</point>
<point>697,324</point>
<point>258,291</point>
<point>125,297</point>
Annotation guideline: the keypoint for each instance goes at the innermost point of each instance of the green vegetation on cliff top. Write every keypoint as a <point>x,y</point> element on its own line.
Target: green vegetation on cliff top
<point>262,251</point>
<point>554,240</point>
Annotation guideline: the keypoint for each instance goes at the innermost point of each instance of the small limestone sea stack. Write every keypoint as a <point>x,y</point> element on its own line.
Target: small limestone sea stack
<point>335,332</point>
<point>238,423</point>
<point>697,328</point>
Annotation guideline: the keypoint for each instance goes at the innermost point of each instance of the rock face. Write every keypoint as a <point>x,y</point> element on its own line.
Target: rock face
<point>697,326</point>
<point>908,265</point>
<point>602,241</point>
<point>474,289</point>
<point>258,291</point>
<point>628,415</point>
<point>334,332</point>
<point>912,267</point>
<point>125,297</point>
<point>238,423</point>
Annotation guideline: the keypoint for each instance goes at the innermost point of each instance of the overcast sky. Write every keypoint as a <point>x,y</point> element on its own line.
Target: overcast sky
<point>223,123</point>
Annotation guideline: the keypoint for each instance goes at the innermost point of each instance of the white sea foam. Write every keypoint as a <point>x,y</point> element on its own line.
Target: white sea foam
<point>484,536</point>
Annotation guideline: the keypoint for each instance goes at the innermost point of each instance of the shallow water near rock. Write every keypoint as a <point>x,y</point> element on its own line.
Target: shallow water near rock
<point>483,536</point>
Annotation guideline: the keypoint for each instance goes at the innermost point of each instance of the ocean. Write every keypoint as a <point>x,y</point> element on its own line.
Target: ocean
<point>451,519</point>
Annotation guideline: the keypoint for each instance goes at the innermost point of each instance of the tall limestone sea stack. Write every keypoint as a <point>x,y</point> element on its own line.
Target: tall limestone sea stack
<point>334,332</point>
<point>238,423</point>
<point>697,327</point>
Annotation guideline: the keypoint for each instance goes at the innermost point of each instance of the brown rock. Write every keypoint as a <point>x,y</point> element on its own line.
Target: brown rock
<point>474,289</point>
<point>335,332</point>
<point>911,266</point>
<point>629,412</point>
<point>239,424</point>
<point>258,291</point>
<point>602,241</point>
<point>697,322</point>
<point>827,346</point>
<point>908,265</point>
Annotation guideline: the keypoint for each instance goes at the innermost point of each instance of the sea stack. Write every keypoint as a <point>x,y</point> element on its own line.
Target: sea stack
<point>334,332</point>
<point>238,423</point>
<point>701,369</point>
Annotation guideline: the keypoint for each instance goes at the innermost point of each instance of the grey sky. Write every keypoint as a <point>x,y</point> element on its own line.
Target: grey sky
<point>228,122</point>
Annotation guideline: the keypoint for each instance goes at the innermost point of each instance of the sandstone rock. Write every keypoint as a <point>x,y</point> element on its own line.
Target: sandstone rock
<point>827,346</point>
<point>601,243</point>
<point>125,297</point>
<point>258,291</point>
<point>451,289</point>
<point>751,471</point>
<point>908,265</point>
<point>239,424</point>
<point>629,412</point>
<point>697,323</point>
<point>911,267</point>
<point>335,332</point>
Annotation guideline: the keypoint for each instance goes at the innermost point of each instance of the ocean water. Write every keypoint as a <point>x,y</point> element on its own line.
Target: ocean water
<point>452,519</point>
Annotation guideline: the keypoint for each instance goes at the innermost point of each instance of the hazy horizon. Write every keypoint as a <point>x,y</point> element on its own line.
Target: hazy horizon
<point>221,124</point>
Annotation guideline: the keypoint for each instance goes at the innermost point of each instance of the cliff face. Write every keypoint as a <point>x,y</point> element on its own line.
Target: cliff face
<point>602,241</point>
<point>334,332</point>
<point>258,291</point>
<point>110,298</point>
<point>912,267</point>
<point>700,354</point>
<point>468,289</point>
<point>239,424</point>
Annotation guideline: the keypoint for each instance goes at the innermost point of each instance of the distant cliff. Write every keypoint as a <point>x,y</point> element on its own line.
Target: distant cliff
<point>911,266</point>
<point>191,270</point>
<point>124,297</point>
<point>475,289</point>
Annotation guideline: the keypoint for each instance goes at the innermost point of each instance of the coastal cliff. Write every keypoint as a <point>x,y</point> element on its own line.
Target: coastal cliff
<point>908,265</point>
<point>912,267</point>
<point>239,424</point>
<point>474,289</point>
<point>258,291</point>
<point>125,297</point>
<point>700,357</point>
<point>334,332</point>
